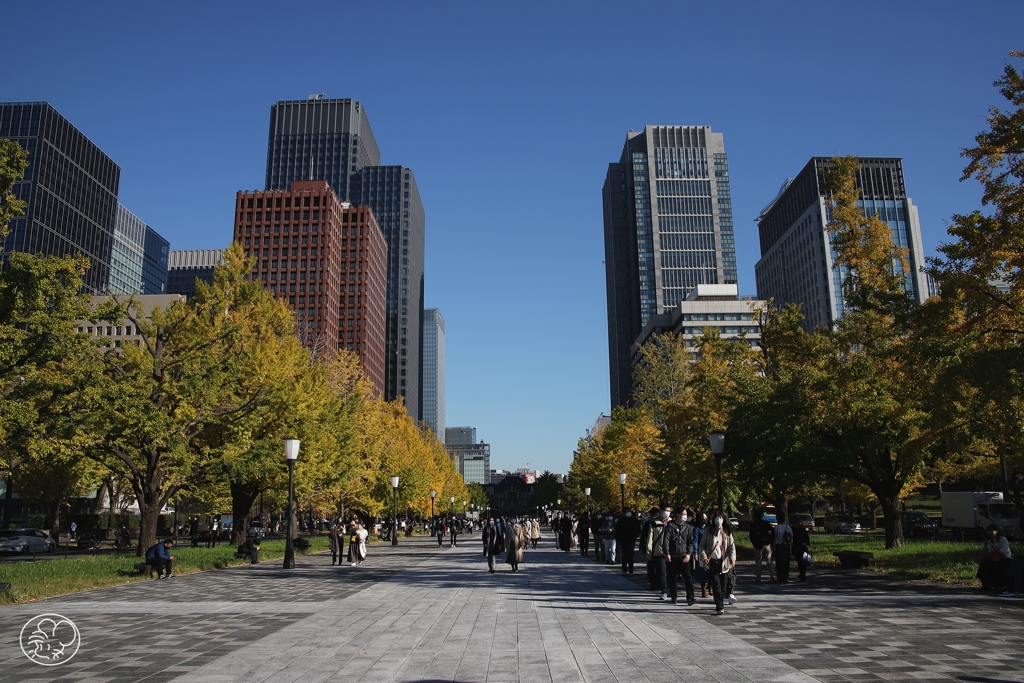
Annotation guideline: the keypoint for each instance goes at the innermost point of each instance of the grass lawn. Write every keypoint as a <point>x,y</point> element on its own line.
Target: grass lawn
<point>45,578</point>
<point>945,561</point>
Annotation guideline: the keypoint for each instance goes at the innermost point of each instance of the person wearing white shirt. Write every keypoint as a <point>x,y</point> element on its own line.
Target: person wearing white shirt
<point>781,551</point>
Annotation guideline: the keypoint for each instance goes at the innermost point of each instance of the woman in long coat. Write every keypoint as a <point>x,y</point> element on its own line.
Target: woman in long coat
<point>492,542</point>
<point>515,541</point>
<point>357,544</point>
<point>534,533</point>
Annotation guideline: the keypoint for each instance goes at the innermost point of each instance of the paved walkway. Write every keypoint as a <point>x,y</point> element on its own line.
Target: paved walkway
<point>414,613</point>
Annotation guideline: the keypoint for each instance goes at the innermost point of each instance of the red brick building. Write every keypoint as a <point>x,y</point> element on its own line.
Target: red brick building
<point>327,260</point>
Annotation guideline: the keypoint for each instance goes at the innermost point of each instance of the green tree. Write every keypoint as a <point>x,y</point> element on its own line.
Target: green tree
<point>13,162</point>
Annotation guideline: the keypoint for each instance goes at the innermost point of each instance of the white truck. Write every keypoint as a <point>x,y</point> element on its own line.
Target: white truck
<point>970,511</point>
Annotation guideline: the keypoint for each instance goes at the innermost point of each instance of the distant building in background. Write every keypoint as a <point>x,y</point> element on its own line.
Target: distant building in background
<point>326,260</point>
<point>668,227</point>
<point>473,459</point>
<point>125,332</point>
<point>499,476</point>
<point>797,257</point>
<point>139,255</point>
<point>186,266</point>
<point>716,306</point>
<point>71,187</point>
<point>433,371</point>
<point>330,139</point>
<point>600,423</point>
<point>527,475</point>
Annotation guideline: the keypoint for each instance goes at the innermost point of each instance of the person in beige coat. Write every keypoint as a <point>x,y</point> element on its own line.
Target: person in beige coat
<point>534,533</point>
<point>515,541</point>
<point>718,555</point>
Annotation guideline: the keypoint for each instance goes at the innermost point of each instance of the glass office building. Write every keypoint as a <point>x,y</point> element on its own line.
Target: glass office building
<point>185,267</point>
<point>473,459</point>
<point>70,187</point>
<point>138,259</point>
<point>797,258</point>
<point>433,371</point>
<point>668,227</point>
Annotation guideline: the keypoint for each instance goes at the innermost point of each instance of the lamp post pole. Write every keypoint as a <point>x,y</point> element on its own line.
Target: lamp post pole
<point>433,492</point>
<point>394,523</point>
<point>451,505</point>
<point>291,452</point>
<point>177,500</point>
<point>569,503</point>
<point>586,492</point>
<point>622,485</point>
<point>718,447</point>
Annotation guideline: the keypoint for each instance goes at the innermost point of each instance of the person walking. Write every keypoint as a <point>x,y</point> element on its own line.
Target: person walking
<point>193,531</point>
<point>700,573</point>
<point>608,538</point>
<point>357,544</point>
<point>718,556</point>
<point>214,528</point>
<point>74,528</point>
<point>515,541</point>
<point>761,537</point>
<point>583,531</point>
<point>627,530</point>
<point>492,543</point>
<point>565,533</point>
<point>453,530</point>
<point>678,547</point>
<point>783,536</point>
<point>595,529</point>
<point>656,553</point>
<point>440,532</point>
<point>337,542</point>
<point>534,533</point>
<point>801,547</point>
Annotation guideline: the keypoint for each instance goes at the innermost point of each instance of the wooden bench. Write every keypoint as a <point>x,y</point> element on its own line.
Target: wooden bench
<point>142,567</point>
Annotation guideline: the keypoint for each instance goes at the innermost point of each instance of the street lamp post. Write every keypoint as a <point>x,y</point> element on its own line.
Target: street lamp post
<point>622,484</point>
<point>291,453</point>
<point>586,492</point>
<point>433,492</point>
<point>464,507</point>
<point>718,447</point>
<point>177,500</point>
<point>394,524</point>
<point>451,506</point>
<point>569,504</point>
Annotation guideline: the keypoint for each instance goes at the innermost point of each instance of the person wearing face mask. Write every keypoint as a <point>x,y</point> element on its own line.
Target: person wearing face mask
<point>492,543</point>
<point>656,553</point>
<point>678,547</point>
<point>718,556</point>
<point>608,538</point>
<point>645,539</point>
<point>627,529</point>
<point>595,528</point>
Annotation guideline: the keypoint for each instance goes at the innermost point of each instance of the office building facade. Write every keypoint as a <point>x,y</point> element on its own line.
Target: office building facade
<point>331,139</point>
<point>797,260</point>
<point>433,371</point>
<point>139,257</point>
<point>185,267</point>
<point>324,258</point>
<point>668,227</point>
<point>472,458</point>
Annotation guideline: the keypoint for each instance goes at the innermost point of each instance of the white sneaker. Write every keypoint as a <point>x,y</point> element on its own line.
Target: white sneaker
<point>664,596</point>
<point>732,599</point>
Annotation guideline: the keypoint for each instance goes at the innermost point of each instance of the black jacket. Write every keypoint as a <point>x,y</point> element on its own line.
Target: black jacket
<point>627,530</point>
<point>677,540</point>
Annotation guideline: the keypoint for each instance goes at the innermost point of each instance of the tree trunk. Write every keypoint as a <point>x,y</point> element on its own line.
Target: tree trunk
<point>55,521</point>
<point>243,496</point>
<point>874,516</point>
<point>7,501</point>
<point>893,522</point>
<point>149,516</point>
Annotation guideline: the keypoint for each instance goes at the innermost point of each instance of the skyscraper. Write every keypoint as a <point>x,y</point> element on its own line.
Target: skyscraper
<point>433,371</point>
<point>71,189</point>
<point>797,258</point>
<point>331,139</point>
<point>338,294</point>
<point>668,227</point>
<point>473,459</point>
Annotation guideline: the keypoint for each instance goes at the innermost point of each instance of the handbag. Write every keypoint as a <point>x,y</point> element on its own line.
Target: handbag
<point>808,560</point>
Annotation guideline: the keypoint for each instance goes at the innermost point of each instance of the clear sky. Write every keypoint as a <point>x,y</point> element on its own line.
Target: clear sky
<point>509,114</point>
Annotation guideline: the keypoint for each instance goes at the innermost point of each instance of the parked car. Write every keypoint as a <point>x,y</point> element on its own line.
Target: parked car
<point>841,524</point>
<point>734,522</point>
<point>256,530</point>
<point>806,518</point>
<point>916,523</point>
<point>26,541</point>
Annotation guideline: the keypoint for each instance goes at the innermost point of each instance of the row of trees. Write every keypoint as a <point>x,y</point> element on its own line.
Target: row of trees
<point>893,396</point>
<point>199,408</point>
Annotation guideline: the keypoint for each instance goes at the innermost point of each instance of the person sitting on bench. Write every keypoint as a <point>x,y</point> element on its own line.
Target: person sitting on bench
<point>159,558</point>
<point>250,549</point>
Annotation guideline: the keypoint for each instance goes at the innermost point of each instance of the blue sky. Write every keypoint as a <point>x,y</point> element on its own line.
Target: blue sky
<point>509,114</point>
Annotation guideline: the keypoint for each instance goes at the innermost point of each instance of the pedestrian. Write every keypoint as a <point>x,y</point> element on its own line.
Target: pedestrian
<point>678,545</point>
<point>608,538</point>
<point>996,561</point>
<point>358,542</point>
<point>783,536</point>
<point>595,529</point>
<point>656,552</point>
<point>337,542</point>
<point>159,558</point>
<point>492,542</point>
<point>534,534</point>
<point>453,528</point>
<point>193,531</point>
<point>627,530</point>
<point>439,532</point>
<point>565,533</point>
<point>583,531</point>
<point>700,574</point>
<point>74,528</point>
<point>645,538</point>
<point>214,526</point>
<point>761,537</point>
<point>801,547</point>
<point>515,541</point>
<point>718,555</point>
